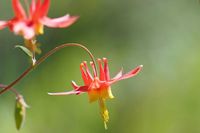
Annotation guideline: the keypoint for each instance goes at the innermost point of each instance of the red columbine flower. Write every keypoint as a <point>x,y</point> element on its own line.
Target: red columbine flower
<point>32,24</point>
<point>98,88</point>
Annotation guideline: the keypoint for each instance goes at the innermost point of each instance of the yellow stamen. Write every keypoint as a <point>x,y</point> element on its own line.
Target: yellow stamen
<point>104,112</point>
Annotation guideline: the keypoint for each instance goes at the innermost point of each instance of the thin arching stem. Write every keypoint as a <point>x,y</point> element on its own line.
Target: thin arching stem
<point>43,58</point>
<point>63,46</point>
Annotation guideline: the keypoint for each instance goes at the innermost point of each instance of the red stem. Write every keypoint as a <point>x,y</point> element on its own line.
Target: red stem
<point>43,58</point>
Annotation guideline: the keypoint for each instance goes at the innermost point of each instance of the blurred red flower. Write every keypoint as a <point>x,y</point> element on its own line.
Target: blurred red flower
<point>31,24</point>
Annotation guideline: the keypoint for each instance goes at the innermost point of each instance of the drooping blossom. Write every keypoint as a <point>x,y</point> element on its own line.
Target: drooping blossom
<point>98,87</point>
<point>31,23</point>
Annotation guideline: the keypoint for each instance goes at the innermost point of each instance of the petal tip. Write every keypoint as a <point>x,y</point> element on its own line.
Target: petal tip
<point>56,94</point>
<point>104,59</point>
<point>82,65</point>
<point>75,17</point>
<point>49,93</point>
<point>91,63</point>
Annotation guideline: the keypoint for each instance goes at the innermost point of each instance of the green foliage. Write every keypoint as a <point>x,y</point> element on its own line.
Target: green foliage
<point>20,112</point>
<point>25,50</point>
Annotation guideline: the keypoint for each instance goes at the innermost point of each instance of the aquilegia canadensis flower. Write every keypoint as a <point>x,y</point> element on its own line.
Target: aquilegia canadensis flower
<point>98,88</point>
<point>31,24</point>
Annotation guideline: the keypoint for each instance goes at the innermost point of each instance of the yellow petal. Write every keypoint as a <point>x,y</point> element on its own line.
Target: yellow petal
<point>106,93</point>
<point>39,29</point>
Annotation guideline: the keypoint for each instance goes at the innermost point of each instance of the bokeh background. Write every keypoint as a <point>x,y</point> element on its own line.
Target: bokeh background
<point>163,35</point>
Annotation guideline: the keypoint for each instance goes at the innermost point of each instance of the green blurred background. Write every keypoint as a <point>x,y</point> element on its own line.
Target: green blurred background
<point>163,35</point>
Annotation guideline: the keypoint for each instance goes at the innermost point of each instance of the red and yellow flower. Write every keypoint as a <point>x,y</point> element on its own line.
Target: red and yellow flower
<point>98,87</point>
<point>31,24</point>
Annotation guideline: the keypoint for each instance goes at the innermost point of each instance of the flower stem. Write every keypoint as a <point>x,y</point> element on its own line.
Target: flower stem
<point>43,58</point>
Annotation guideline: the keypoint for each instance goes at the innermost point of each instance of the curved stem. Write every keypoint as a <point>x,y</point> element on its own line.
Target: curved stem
<point>43,59</point>
<point>17,94</point>
<point>63,46</point>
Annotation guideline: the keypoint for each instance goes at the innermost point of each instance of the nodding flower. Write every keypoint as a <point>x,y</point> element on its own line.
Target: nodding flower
<point>98,87</point>
<point>31,24</point>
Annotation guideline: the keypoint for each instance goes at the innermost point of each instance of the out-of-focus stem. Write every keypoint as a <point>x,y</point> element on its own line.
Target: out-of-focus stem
<point>43,58</point>
<point>17,94</point>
